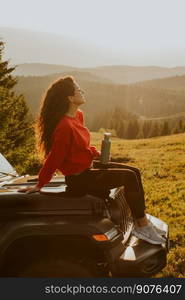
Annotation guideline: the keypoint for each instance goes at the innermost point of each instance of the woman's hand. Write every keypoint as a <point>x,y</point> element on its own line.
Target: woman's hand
<point>29,189</point>
<point>98,155</point>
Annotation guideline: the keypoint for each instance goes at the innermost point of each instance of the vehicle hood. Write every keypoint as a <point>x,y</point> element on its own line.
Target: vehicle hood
<point>5,166</point>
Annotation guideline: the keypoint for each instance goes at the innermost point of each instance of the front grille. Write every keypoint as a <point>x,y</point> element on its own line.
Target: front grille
<point>124,214</point>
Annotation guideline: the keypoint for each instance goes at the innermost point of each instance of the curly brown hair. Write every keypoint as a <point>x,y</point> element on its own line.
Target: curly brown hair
<point>53,107</point>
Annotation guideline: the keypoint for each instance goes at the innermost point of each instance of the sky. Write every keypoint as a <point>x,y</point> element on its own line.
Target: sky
<point>140,26</point>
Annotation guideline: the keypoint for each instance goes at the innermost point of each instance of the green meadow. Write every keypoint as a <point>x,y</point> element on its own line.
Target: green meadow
<point>161,161</point>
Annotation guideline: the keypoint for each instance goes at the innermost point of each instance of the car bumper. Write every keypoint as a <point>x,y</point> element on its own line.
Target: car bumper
<point>140,258</point>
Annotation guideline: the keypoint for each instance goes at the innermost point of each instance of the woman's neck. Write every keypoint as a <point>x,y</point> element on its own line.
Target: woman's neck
<point>70,115</point>
<point>72,111</point>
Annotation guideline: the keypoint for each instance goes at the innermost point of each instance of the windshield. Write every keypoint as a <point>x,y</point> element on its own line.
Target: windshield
<point>6,168</point>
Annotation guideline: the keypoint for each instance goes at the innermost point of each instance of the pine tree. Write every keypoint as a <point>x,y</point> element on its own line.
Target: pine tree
<point>121,130</point>
<point>178,128</point>
<point>16,132</point>
<point>6,79</point>
<point>140,134</point>
<point>165,129</point>
<point>147,128</point>
<point>133,129</point>
<point>154,130</point>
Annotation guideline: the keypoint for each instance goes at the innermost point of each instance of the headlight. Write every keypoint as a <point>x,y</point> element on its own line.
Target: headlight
<point>106,236</point>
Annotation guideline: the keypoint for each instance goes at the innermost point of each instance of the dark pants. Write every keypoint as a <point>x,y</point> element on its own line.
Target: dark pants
<point>98,182</point>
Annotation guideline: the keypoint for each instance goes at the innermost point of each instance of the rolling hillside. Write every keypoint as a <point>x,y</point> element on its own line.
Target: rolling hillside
<point>101,95</point>
<point>131,74</point>
<point>115,74</point>
<point>36,69</point>
<point>176,83</point>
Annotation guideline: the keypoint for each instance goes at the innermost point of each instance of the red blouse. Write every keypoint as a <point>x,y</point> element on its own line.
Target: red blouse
<point>71,151</point>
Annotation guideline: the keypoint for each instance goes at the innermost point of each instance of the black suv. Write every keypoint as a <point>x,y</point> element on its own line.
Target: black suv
<point>54,234</point>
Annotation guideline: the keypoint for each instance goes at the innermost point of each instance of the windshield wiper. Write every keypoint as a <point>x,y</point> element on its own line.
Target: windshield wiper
<point>8,174</point>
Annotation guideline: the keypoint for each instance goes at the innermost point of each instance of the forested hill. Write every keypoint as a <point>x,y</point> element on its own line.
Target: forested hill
<point>102,95</point>
<point>175,83</point>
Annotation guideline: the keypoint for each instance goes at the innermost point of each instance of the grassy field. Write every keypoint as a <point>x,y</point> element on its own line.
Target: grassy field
<point>162,164</point>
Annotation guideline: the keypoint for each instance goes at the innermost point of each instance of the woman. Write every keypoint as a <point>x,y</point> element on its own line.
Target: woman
<point>66,143</point>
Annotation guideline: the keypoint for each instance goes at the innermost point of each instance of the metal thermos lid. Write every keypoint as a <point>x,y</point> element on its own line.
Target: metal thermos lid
<point>107,135</point>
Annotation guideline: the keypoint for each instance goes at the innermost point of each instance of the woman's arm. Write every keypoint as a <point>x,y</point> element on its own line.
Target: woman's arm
<point>59,150</point>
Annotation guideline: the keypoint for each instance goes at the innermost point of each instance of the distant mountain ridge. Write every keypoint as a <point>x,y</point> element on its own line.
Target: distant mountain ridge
<point>131,74</point>
<point>39,69</point>
<point>57,54</point>
<point>114,74</point>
